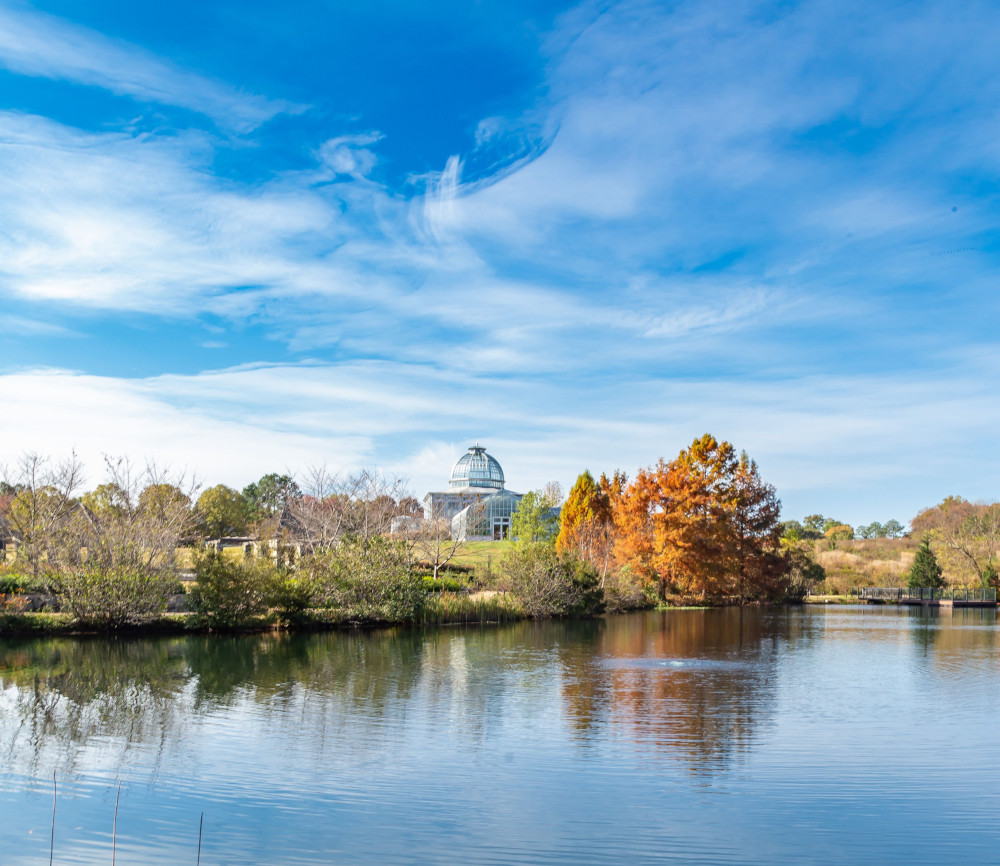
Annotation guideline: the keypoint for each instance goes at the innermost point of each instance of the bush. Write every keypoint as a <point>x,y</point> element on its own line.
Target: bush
<point>547,584</point>
<point>114,597</point>
<point>442,584</point>
<point>234,592</point>
<point>622,591</point>
<point>21,583</point>
<point>367,580</point>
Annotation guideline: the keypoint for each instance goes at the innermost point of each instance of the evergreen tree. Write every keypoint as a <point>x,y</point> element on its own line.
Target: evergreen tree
<point>925,571</point>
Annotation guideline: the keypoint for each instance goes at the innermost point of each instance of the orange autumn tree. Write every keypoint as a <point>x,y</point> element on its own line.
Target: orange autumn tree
<point>703,525</point>
<point>586,526</point>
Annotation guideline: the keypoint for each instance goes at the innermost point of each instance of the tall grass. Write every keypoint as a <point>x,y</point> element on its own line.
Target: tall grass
<point>453,607</point>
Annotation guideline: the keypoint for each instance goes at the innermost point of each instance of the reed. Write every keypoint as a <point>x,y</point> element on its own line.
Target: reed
<point>442,608</point>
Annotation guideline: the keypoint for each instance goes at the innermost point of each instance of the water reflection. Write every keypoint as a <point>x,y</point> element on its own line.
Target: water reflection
<point>537,741</point>
<point>691,684</point>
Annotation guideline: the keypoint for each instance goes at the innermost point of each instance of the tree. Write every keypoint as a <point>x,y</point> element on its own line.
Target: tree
<point>814,522</point>
<point>270,495</point>
<point>223,511</point>
<point>972,531</point>
<point>704,524</point>
<point>534,519</point>
<point>136,519</point>
<point>44,517</point>
<point>925,571</point>
<point>432,542</point>
<point>584,503</point>
<point>893,529</point>
<point>335,505</point>
<point>587,527</point>
<point>839,532</point>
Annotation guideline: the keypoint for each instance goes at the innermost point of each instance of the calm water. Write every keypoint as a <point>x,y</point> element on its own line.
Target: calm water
<point>801,735</point>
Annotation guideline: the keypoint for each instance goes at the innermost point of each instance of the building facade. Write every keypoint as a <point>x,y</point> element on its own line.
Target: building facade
<point>476,501</point>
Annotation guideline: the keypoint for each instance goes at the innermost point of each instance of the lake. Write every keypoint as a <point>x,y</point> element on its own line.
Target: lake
<point>789,735</point>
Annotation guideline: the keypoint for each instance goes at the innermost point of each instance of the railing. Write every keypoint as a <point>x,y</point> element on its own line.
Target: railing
<point>904,593</point>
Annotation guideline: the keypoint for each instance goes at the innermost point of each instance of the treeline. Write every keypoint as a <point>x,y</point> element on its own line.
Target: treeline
<point>702,527</point>
<point>816,526</point>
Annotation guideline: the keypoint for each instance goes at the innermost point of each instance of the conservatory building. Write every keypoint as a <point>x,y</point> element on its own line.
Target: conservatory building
<point>476,501</point>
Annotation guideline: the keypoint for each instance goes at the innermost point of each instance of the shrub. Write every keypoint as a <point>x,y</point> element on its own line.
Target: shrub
<point>622,591</point>
<point>367,579</point>
<point>442,584</point>
<point>234,592</point>
<point>547,584</point>
<point>21,583</point>
<point>114,597</point>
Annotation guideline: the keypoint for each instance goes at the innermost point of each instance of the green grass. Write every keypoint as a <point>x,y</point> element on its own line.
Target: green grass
<point>481,555</point>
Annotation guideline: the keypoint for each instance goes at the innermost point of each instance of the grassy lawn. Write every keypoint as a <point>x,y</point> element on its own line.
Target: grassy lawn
<point>480,554</point>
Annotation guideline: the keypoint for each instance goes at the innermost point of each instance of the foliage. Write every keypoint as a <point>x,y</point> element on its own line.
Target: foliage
<point>535,519</point>
<point>270,495</point>
<point>546,583</point>
<point>44,516</point>
<point>622,591</point>
<point>18,582</point>
<point>990,577</point>
<point>367,579</point>
<point>704,525</point>
<point>448,607</point>
<point>122,595</point>
<point>360,504</point>
<point>969,531</point>
<point>587,526</point>
<point>839,532</point>
<point>804,572</point>
<point>925,571</point>
<point>235,592</point>
<point>223,512</point>
<point>442,584</point>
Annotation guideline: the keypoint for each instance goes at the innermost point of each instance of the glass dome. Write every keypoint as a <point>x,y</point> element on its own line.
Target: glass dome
<point>477,469</point>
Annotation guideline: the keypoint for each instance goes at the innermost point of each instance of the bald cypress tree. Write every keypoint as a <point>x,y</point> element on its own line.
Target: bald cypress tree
<point>581,505</point>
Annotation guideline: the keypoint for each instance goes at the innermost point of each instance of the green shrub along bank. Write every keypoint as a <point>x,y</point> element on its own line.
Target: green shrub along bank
<point>114,597</point>
<point>361,581</point>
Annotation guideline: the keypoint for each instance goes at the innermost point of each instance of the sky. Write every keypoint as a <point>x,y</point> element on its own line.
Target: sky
<point>244,237</point>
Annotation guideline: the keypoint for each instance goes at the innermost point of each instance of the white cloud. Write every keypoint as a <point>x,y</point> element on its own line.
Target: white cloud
<point>36,44</point>
<point>861,447</point>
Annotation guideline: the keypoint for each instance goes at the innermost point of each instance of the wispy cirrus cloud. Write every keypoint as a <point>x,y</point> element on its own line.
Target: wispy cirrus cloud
<point>36,44</point>
<point>728,221</point>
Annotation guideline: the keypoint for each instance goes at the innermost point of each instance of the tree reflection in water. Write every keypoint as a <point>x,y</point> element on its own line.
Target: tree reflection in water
<point>691,684</point>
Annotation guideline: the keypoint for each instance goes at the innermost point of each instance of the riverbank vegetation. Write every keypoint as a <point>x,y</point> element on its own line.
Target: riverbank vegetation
<point>141,550</point>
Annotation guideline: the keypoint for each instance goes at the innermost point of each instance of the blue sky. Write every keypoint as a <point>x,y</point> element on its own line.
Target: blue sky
<point>244,238</point>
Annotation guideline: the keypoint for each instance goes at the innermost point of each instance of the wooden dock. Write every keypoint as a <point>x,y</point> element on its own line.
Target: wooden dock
<point>926,597</point>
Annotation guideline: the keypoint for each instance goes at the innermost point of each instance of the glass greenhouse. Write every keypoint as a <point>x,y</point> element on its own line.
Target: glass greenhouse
<point>488,518</point>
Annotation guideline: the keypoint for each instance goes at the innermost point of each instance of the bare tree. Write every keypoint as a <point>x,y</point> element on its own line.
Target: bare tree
<point>137,518</point>
<point>44,517</point>
<point>432,542</point>
<point>360,504</point>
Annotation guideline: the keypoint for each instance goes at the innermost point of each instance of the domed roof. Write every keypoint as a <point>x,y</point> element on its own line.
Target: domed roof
<point>477,469</point>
